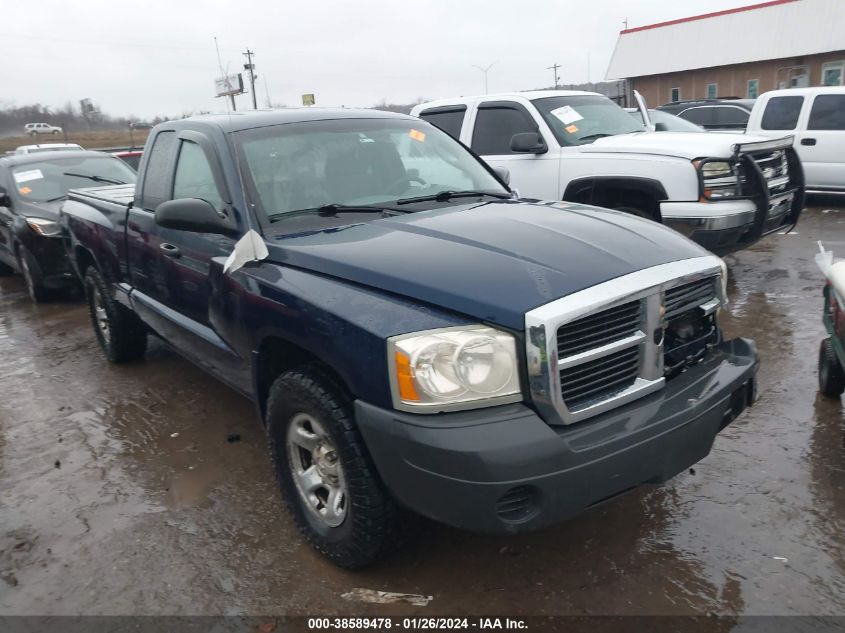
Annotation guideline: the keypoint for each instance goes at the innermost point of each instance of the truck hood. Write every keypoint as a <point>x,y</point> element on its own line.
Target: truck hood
<point>493,262</point>
<point>689,145</point>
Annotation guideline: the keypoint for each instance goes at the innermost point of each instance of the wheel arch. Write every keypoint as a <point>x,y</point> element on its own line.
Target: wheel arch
<point>605,191</point>
<point>275,355</point>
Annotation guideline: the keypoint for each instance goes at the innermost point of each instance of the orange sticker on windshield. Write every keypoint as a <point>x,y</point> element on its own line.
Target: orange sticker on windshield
<point>25,190</point>
<point>417,135</point>
<point>571,129</point>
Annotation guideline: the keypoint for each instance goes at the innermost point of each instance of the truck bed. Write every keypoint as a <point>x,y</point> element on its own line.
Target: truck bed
<point>117,194</point>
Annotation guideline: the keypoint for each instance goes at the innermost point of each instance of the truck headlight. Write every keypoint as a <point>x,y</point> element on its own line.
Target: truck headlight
<point>43,227</point>
<point>453,368</point>
<point>719,178</point>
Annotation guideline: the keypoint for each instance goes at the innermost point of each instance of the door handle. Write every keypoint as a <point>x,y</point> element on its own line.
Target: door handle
<point>170,250</point>
<point>808,141</point>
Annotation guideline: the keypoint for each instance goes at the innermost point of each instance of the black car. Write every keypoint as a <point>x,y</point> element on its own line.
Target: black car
<point>32,188</point>
<point>728,113</point>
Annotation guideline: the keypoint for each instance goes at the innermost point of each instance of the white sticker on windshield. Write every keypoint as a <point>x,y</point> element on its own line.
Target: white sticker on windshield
<point>567,114</point>
<point>26,176</point>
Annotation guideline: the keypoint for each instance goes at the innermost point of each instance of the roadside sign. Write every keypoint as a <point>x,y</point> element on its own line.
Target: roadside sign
<point>229,85</point>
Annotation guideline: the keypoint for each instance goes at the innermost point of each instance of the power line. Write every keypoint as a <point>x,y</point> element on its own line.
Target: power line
<point>554,67</point>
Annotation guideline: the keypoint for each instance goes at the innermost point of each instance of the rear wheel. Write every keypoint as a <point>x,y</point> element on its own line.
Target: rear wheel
<point>29,269</point>
<point>328,480</point>
<point>119,332</point>
<point>831,376</point>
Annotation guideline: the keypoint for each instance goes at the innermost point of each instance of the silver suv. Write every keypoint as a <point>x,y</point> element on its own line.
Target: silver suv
<point>41,128</point>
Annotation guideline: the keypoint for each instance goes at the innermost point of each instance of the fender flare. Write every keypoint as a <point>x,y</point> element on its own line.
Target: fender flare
<point>585,189</point>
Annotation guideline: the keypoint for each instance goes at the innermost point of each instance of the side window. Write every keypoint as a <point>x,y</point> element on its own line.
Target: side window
<point>448,120</point>
<point>699,116</point>
<point>157,173</point>
<point>712,91</point>
<point>782,113</point>
<point>731,116</point>
<point>194,178</point>
<point>828,113</point>
<point>494,128</point>
<point>675,96</point>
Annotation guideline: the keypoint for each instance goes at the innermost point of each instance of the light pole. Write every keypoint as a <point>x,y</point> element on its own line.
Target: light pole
<point>485,71</point>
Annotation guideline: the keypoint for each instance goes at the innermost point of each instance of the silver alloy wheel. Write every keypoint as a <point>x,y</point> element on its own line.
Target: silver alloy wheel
<point>316,469</point>
<point>101,316</point>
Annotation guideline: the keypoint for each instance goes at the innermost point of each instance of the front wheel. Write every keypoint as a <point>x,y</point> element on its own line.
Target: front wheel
<point>328,481</point>
<point>120,333</point>
<point>55,132</point>
<point>29,269</point>
<point>831,376</point>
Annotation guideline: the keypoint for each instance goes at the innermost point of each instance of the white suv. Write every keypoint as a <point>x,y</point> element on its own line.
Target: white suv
<point>725,191</point>
<point>41,128</point>
<point>816,119</point>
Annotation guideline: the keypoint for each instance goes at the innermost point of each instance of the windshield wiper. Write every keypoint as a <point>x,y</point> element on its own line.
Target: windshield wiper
<point>445,196</point>
<point>111,181</point>
<point>594,137</point>
<point>328,210</point>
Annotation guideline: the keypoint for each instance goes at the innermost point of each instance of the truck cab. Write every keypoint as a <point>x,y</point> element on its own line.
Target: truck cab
<point>724,191</point>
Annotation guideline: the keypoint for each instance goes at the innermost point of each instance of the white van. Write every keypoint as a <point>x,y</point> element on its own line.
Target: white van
<point>816,118</point>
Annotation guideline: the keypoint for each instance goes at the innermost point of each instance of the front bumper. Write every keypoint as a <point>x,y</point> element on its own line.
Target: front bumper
<point>503,469</point>
<point>720,227</point>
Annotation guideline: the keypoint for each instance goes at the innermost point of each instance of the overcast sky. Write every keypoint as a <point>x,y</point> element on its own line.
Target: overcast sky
<point>158,56</point>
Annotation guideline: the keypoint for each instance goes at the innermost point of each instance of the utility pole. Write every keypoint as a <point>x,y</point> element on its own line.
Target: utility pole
<point>251,68</point>
<point>485,71</point>
<point>554,67</point>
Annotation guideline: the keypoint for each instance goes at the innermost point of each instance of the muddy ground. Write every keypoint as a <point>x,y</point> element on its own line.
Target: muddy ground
<point>120,494</point>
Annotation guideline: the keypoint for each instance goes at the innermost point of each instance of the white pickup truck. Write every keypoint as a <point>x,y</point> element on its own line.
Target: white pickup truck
<point>725,191</point>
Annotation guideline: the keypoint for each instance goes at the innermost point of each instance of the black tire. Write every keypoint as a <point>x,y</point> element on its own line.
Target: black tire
<point>32,278</point>
<point>371,525</point>
<point>55,132</point>
<point>119,332</point>
<point>831,376</point>
<point>5,270</point>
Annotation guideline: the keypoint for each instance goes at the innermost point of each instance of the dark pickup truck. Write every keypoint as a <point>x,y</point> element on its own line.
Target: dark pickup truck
<point>413,336</point>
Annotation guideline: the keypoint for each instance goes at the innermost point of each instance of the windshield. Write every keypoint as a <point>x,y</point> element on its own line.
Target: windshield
<point>580,120</point>
<point>49,179</point>
<point>352,162</point>
<point>671,122</point>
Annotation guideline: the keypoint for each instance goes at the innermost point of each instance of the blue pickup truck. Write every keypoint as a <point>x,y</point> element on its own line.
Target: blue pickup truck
<point>415,338</point>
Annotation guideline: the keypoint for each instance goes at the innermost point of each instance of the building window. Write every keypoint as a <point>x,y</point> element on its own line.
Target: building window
<point>676,95</point>
<point>832,73</point>
<point>712,91</point>
<point>753,88</point>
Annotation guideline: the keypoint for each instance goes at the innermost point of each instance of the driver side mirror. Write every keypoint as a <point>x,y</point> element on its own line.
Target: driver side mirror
<point>660,127</point>
<point>5,200</point>
<point>192,214</point>
<point>504,174</point>
<point>528,143</point>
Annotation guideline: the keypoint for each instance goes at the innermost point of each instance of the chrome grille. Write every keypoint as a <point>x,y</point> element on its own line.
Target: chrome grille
<point>598,329</point>
<point>602,347</point>
<point>583,385</point>
<point>682,298</point>
<point>775,169</point>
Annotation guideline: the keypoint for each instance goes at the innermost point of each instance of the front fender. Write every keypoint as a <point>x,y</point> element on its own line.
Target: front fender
<point>342,324</point>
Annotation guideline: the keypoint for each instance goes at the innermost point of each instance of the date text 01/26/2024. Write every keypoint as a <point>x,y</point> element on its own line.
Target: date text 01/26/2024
<point>431,623</point>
